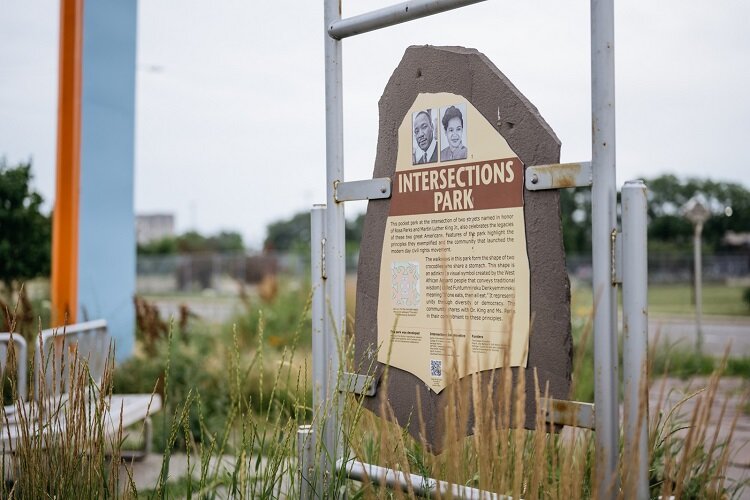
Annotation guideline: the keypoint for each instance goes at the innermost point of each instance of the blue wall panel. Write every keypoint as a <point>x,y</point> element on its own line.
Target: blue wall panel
<point>106,267</point>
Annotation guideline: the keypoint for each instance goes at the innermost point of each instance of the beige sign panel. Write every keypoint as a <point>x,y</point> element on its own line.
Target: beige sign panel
<point>454,280</point>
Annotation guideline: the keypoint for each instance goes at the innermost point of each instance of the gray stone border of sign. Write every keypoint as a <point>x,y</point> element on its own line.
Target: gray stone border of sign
<point>467,72</point>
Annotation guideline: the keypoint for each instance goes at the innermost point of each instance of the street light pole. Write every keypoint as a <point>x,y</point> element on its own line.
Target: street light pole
<point>697,213</point>
<point>698,270</point>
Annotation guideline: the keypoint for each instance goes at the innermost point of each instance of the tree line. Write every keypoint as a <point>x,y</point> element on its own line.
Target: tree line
<point>25,231</point>
<point>668,231</point>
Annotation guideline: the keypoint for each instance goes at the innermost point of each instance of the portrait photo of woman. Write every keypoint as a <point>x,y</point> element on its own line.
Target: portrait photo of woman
<point>453,133</point>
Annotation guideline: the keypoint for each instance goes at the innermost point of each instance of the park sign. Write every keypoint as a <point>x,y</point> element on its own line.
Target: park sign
<point>462,270</point>
<point>454,249</point>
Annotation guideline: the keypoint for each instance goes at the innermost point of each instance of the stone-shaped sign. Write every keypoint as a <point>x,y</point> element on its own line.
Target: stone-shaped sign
<point>462,270</point>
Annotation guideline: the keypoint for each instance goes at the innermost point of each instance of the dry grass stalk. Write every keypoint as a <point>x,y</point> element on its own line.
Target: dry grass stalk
<point>504,458</point>
<point>66,448</point>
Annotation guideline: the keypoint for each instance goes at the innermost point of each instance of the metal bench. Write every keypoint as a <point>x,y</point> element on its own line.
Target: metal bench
<point>15,344</point>
<point>60,357</point>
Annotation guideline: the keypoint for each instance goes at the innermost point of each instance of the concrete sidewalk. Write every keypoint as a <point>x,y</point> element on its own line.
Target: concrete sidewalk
<point>146,472</point>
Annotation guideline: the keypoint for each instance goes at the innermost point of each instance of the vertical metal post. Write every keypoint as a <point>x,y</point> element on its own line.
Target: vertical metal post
<point>697,213</point>
<point>334,247</point>
<point>306,461</point>
<point>604,197</point>
<point>319,352</point>
<point>635,343</point>
<point>698,271</point>
<point>318,311</point>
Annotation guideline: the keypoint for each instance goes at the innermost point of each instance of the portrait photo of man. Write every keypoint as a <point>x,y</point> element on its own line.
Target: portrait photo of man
<point>425,140</point>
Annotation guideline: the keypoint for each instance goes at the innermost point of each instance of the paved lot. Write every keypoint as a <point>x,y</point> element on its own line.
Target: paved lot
<point>213,310</point>
<point>718,332</point>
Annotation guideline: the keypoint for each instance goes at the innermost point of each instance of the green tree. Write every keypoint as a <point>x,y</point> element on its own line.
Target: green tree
<point>194,242</point>
<point>575,212</point>
<point>164,246</point>
<point>25,232</point>
<point>288,235</point>
<point>293,234</point>
<point>227,241</point>
<point>668,228</point>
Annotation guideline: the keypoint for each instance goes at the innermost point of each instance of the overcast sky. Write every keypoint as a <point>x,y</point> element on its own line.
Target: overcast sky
<point>229,94</point>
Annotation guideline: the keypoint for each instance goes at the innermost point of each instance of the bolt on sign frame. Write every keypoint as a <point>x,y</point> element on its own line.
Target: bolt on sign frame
<point>328,267</point>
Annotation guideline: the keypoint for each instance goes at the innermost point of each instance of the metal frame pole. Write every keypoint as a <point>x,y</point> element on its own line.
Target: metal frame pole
<point>604,198</point>
<point>391,15</point>
<point>334,247</point>
<point>318,308</point>
<point>421,486</point>
<point>698,271</point>
<point>306,461</point>
<point>635,343</point>
<point>319,353</point>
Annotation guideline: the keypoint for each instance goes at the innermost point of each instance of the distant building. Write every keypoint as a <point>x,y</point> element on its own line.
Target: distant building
<point>153,227</point>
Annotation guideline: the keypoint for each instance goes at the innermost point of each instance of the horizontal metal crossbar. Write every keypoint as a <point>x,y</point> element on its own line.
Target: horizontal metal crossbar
<point>421,486</point>
<point>391,15</point>
<point>559,175</point>
<point>573,413</point>
<point>358,384</point>
<point>370,189</point>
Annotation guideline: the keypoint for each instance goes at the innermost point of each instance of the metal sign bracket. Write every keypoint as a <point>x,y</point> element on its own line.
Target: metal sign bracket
<point>369,189</point>
<point>559,175</point>
<point>573,413</point>
<point>364,385</point>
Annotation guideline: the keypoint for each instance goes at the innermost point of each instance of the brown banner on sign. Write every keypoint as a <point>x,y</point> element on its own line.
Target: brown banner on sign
<point>470,186</point>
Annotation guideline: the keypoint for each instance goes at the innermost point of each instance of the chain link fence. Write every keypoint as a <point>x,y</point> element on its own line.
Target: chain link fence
<point>670,268</point>
<point>222,273</point>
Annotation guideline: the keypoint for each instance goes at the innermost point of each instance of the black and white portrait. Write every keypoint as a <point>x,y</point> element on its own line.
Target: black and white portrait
<point>424,139</point>
<point>453,133</point>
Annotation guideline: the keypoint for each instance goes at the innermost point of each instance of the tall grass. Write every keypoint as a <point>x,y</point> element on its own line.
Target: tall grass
<point>265,393</point>
<point>267,398</point>
<point>59,444</point>
<point>688,447</point>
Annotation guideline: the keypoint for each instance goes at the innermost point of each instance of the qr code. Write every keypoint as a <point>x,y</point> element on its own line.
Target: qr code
<point>436,368</point>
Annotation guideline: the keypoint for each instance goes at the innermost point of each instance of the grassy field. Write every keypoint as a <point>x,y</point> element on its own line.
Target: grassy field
<point>717,299</point>
<point>720,300</point>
